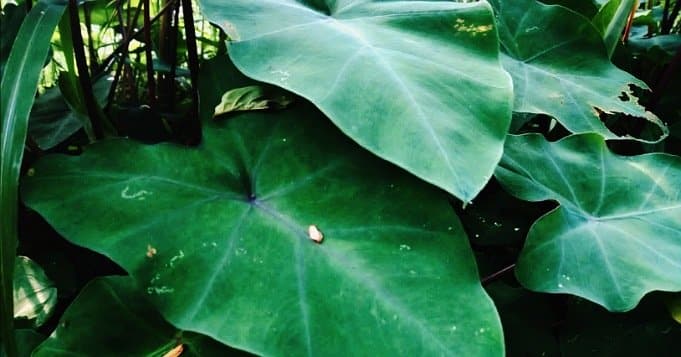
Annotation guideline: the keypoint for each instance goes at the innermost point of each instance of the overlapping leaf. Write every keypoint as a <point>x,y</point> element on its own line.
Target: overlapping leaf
<point>219,238</point>
<point>560,67</point>
<point>35,296</point>
<point>418,83</point>
<point>610,21</point>
<point>125,324</point>
<point>617,232</point>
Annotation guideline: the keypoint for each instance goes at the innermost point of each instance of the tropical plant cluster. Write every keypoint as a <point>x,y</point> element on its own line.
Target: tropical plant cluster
<point>351,177</point>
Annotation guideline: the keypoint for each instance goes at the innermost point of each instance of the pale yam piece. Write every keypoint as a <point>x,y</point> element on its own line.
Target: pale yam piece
<point>315,234</point>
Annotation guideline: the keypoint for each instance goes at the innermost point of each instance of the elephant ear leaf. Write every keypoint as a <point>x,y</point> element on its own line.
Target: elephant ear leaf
<point>418,83</point>
<point>279,236</point>
<point>616,234</point>
<point>560,67</point>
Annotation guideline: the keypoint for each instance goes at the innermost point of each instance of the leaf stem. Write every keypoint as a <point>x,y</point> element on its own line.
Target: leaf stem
<point>630,20</point>
<point>496,275</point>
<point>192,58</point>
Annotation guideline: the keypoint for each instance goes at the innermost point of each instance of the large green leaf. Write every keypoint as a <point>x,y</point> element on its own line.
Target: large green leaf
<point>111,317</point>
<point>219,236</point>
<point>617,232</point>
<point>560,67</point>
<point>417,83</point>
<point>18,86</point>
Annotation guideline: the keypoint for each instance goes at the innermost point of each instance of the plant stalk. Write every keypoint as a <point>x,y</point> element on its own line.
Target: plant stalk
<point>151,82</point>
<point>167,47</point>
<point>193,59</point>
<point>84,73</point>
<point>630,20</point>
<point>90,42</point>
<point>496,275</point>
<point>124,44</point>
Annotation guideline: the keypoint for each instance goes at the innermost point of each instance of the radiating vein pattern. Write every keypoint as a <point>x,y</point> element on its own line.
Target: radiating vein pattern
<point>617,232</point>
<point>418,83</point>
<point>218,237</point>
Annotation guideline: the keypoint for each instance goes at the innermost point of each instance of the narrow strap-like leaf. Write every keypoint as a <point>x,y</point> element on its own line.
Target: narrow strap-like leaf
<point>19,84</point>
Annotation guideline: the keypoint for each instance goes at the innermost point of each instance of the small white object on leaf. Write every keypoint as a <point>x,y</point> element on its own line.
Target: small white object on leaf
<point>151,251</point>
<point>315,234</point>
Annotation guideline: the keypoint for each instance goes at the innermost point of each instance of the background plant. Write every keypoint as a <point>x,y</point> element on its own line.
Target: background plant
<point>422,139</point>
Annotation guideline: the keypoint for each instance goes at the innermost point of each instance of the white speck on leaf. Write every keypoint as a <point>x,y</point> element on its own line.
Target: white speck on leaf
<point>151,251</point>
<point>283,75</point>
<point>315,234</point>
<point>156,278</point>
<point>404,247</point>
<point>174,259</point>
<point>158,290</point>
<point>139,195</point>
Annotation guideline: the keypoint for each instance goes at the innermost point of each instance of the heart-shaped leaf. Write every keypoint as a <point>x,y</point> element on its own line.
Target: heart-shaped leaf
<point>560,67</point>
<point>125,323</point>
<point>418,83</point>
<point>617,232</point>
<point>222,239</point>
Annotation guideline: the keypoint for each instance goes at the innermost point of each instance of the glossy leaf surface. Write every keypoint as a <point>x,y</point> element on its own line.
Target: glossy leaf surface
<point>418,83</point>
<point>617,232</point>
<point>126,324</point>
<point>219,237</point>
<point>35,296</point>
<point>560,67</point>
